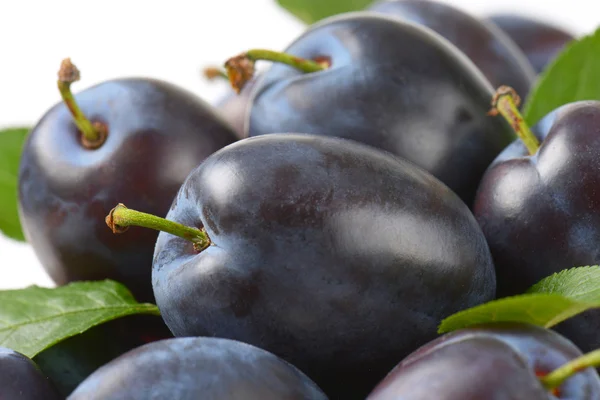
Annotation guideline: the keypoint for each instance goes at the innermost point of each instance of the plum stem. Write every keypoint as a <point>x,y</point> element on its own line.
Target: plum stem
<point>121,218</point>
<point>506,102</point>
<point>240,69</point>
<point>557,377</point>
<point>93,135</point>
<point>213,73</point>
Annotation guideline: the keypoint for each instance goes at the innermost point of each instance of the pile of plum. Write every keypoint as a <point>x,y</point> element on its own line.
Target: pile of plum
<point>318,226</point>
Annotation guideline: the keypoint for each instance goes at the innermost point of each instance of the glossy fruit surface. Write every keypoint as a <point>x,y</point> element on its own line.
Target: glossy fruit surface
<point>157,133</point>
<point>541,213</point>
<point>198,368</point>
<point>234,108</point>
<point>494,362</point>
<point>492,51</point>
<point>333,255</point>
<point>21,379</point>
<point>540,41</point>
<point>71,361</point>
<point>412,95</point>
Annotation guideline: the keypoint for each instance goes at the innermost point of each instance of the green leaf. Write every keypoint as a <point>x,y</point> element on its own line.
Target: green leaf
<point>11,143</point>
<point>579,284</point>
<point>573,76</point>
<point>538,309</point>
<point>311,11</point>
<point>35,318</point>
<point>549,302</point>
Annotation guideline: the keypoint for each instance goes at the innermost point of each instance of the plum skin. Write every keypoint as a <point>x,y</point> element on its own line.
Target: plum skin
<point>157,133</point>
<point>20,378</point>
<point>491,49</point>
<point>234,107</point>
<point>194,368</point>
<point>329,253</point>
<point>414,95</point>
<point>500,361</point>
<point>540,41</point>
<point>540,213</point>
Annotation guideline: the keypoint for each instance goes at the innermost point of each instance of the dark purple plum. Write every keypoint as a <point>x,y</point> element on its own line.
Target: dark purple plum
<point>543,126</point>
<point>413,94</point>
<point>490,49</point>
<point>234,108</point>
<point>541,213</point>
<point>198,368</point>
<point>156,134</point>
<point>493,362</point>
<point>21,379</point>
<point>541,129</point>
<point>335,256</point>
<point>540,41</point>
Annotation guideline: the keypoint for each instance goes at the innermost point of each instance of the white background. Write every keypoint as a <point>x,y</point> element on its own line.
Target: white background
<point>169,40</point>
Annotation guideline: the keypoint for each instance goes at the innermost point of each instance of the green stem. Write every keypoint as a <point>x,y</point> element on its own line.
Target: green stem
<point>557,377</point>
<point>93,135</point>
<point>300,64</point>
<point>240,69</point>
<point>506,102</point>
<point>121,218</point>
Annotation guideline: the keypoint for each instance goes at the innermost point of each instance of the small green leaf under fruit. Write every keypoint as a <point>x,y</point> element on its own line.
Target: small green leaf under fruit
<point>549,302</point>
<point>538,309</point>
<point>311,11</point>
<point>11,144</point>
<point>572,76</point>
<point>35,318</point>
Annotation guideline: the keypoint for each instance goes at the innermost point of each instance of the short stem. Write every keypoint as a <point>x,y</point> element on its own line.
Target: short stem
<point>240,69</point>
<point>506,102</point>
<point>212,73</point>
<point>121,218</point>
<point>557,377</point>
<point>93,134</point>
